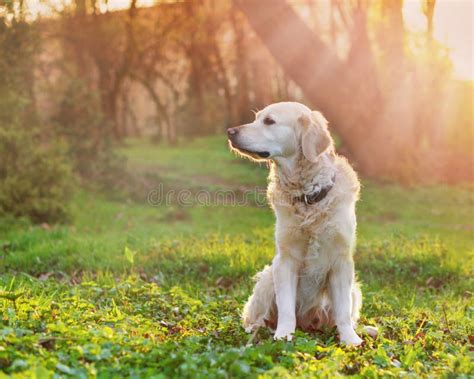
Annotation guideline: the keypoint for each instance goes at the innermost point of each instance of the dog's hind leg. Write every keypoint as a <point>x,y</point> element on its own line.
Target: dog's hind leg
<point>260,309</point>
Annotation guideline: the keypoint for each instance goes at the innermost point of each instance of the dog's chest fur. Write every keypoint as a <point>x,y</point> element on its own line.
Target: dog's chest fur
<point>285,189</point>
<point>316,222</point>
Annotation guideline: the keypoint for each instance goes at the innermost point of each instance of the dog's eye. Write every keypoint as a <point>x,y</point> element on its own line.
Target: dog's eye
<point>268,121</point>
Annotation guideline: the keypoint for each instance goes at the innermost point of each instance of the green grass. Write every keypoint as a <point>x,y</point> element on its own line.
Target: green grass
<point>204,160</point>
<point>131,289</point>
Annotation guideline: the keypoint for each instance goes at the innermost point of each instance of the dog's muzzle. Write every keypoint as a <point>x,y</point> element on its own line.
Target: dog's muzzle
<point>233,133</point>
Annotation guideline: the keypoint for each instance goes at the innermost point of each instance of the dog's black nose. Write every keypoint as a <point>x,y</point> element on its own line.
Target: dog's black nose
<point>232,132</point>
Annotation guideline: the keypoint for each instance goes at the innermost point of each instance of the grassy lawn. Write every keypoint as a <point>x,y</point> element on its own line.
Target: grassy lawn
<point>135,289</point>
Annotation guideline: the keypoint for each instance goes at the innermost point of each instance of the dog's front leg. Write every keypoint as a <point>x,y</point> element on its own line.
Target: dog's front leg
<point>285,279</point>
<point>340,287</point>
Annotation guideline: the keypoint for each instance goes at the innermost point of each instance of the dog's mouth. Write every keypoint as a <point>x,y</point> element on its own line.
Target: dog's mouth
<point>261,154</point>
<point>253,154</point>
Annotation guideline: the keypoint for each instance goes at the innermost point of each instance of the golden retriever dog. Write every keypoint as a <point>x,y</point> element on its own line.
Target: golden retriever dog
<point>313,192</point>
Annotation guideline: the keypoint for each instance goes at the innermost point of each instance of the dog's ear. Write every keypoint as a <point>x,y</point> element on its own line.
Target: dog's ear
<point>315,139</point>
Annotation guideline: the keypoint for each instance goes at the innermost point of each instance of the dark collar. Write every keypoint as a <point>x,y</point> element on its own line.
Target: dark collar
<point>316,196</point>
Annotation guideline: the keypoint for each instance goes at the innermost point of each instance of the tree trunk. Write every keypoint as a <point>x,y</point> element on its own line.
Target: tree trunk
<point>428,10</point>
<point>196,81</point>
<point>220,76</point>
<point>243,98</point>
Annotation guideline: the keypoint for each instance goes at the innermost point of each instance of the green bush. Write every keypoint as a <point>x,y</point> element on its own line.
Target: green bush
<point>35,180</point>
<point>35,177</point>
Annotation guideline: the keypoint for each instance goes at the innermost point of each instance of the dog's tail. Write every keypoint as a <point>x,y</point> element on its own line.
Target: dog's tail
<point>372,331</point>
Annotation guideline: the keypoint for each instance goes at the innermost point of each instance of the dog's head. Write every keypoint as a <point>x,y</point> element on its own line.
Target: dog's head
<point>280,131</point>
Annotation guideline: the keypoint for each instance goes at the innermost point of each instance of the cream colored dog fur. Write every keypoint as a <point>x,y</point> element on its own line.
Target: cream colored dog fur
<point>311,281</point>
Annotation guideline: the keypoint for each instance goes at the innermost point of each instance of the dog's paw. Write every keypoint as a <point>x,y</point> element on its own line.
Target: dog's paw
<point>349,337</point>
<point>284,332</point>
<point>252,326</point>
<point>352,341</point>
